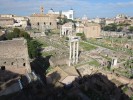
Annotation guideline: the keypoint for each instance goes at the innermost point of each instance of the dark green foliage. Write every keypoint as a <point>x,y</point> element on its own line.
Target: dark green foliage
<point>25,35</point>
<point>120,37</point>
<point>74,26</point>
<point>111,27</point>
<point>33,46</point>
<point>33,49</point>
<point>16,30</point>
<point>82,35</point>
<point>131,28</point>
<point>67,38</point>
<point>119,29</point>
<point>129,37</point>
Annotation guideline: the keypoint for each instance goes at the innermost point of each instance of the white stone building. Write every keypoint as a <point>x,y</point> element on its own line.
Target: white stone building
<point>69,14</point>
<point>109,21</point>
<point>7,15</point>
<point>66,29</point>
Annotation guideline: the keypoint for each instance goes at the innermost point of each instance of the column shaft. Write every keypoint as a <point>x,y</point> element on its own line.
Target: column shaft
<point>77,51</point>
<point>60,32</point>
<point>73,52</point>
<point>70,54</point>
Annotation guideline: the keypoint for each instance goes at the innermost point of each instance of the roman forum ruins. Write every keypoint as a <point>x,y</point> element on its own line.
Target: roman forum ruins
<point>74,50</point>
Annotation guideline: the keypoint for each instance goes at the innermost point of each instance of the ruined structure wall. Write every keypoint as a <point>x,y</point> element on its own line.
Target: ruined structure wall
<point>14,55</point>
<point>92,31</point>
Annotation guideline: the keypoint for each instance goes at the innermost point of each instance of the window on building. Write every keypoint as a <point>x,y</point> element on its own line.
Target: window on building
<point>70,16</point>
<point>12,63</point>
<point>23,64</point>
<point>2,67</point>
<point>50,23</point>
<point>38,23</point>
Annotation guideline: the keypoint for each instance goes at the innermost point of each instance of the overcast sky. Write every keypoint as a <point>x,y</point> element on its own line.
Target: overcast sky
<point>90,8</point>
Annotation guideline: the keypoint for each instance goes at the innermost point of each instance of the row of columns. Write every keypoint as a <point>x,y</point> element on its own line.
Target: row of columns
<point>74,52</point>
<point>65,32</point>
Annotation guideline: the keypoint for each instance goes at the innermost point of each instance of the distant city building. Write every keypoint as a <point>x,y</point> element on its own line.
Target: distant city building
<point>18,19</point>
<point>92,30</point>
<point>119,16</point>
<point>42,20</point>
<point>84,19</point>
<point>66,29</point>
<point>5,21</point>
<point>69,14</point>
<point>7,15</point>
<point>98,20</point>
<point>79,27</point>
<point>109,21</point>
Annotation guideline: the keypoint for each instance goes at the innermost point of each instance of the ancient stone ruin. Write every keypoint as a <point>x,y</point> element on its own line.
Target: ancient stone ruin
<point>14,56</point>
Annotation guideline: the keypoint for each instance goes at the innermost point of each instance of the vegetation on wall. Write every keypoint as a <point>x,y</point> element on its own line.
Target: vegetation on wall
<point>117,27</point>
<point>33,45</point>
<point>82,36</point>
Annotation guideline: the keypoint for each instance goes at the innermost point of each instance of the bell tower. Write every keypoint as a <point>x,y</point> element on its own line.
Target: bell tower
<point>42,10</point>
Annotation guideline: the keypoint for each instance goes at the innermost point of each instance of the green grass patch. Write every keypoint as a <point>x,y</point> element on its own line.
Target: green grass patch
<point>95,63</point>
<point>49,69</point>
<point>125,89</point>
<point>43,43</point>
<point>47,53</point>
<point>87,46</point>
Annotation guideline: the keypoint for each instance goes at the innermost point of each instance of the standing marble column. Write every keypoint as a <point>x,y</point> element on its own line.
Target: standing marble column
<point>60,32</point>
<point>77,51</point>
<point>70,53</point>
<point>73,52</point>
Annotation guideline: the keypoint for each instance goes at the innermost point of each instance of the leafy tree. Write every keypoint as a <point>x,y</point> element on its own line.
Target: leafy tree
<point>110,27</point>
<point>33,46</point>
<point>25,35</point>
<point>74,26</point>
<point>131,28</point>
<point>119,29</point>
<point>129,37</point>
<point>16,30</point>
<point>82,35</point>
<point>33,49</point>
<point>106,28</point>
<point>9,36</point>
